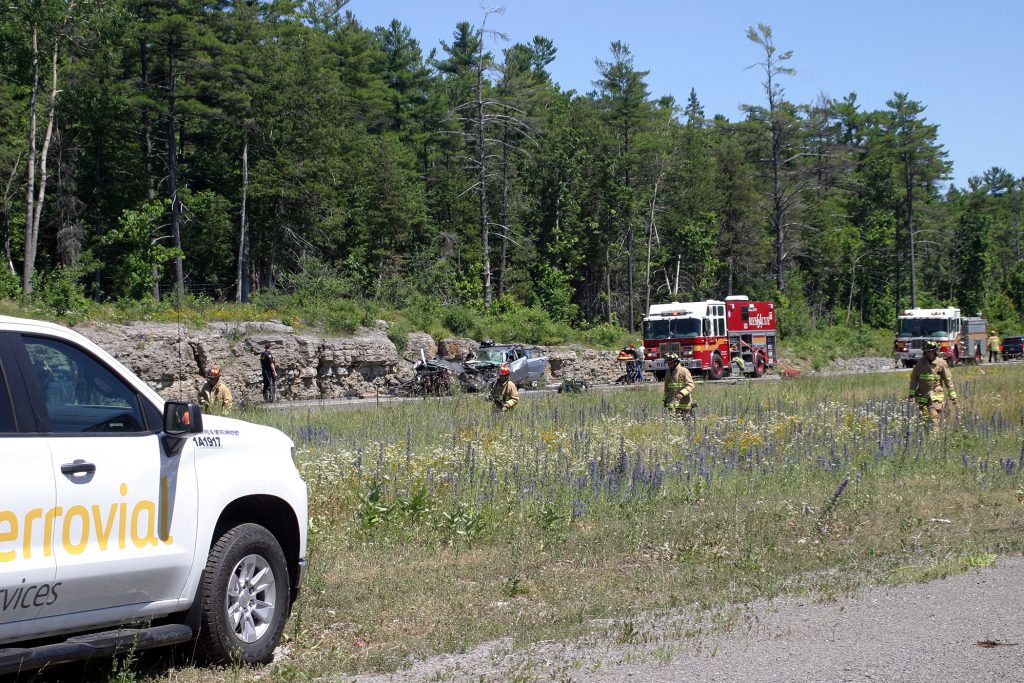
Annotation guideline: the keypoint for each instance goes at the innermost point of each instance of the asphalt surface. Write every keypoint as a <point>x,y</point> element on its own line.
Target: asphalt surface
<point>967,627</point>
<point>385,399</point>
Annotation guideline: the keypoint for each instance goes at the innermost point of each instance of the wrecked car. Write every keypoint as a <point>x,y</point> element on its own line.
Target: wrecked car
<point>526,363</point>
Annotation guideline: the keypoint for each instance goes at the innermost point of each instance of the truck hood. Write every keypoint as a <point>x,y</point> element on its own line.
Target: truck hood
<point>246,433</point>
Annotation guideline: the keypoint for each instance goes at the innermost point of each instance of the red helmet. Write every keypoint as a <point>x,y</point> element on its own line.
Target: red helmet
<point>213,373</point>
<point>504,371</point>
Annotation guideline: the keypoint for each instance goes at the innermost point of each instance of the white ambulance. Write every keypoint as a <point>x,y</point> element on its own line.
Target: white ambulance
<point>127,521</point>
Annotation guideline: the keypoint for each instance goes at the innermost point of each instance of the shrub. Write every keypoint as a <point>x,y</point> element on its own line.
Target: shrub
<point>10,285</point>
<point>525,326</point>
<point>343,317</point>
<point>609,336</point>
<point>398,333</point>
<point>459,319</point>
<point>59,292</point>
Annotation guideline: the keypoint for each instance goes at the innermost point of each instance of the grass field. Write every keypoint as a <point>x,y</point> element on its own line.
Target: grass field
<point>439,525</point>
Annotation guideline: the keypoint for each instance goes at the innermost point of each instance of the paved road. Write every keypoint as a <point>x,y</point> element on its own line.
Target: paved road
<point>969,627</point>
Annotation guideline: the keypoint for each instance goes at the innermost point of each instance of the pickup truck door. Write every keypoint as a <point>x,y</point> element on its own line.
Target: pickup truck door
<point>124,532</point>
<point>27,500</point>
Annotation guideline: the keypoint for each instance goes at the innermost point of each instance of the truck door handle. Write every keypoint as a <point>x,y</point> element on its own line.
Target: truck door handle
<point>77,467</point>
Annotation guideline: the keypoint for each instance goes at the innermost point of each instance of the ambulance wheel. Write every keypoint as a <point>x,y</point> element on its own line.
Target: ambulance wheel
<point>759,366</point>
<point>717,368</point>
<point>245,597</point>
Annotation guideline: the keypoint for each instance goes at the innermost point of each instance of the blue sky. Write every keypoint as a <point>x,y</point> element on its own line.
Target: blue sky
<point>963,61</point>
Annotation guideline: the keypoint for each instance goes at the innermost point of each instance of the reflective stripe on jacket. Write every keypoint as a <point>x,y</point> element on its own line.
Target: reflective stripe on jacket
<point>678,381</point>
<point>927,381</point>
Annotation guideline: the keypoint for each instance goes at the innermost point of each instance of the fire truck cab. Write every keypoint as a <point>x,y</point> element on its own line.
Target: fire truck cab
<point>959,338</point>
<point>717,338</point>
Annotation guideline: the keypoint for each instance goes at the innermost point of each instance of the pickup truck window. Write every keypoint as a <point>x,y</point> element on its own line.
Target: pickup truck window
<point>81,394</point>
<point>6,409</point>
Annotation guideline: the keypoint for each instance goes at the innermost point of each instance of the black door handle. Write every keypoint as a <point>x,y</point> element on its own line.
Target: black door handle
<point>78,467</point>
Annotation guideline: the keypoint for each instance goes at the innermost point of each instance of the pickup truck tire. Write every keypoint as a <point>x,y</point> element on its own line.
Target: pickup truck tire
<point>245,597</point>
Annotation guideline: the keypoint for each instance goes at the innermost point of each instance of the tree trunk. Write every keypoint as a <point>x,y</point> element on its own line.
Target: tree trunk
<point>504,218</point>
<point>910,229</point>
<point>35,198</point>
<point>147,151</point>
<point>608,281</point>
<point>650,242</point>
<point>172,165</point>
<point>242,290</point>
<point>30,181</point>
<point>481,159</point>
<point>5,215</point>
<point>778,215</point>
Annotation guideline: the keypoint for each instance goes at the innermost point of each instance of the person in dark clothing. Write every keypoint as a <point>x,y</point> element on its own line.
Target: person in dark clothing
<point>269,368</point>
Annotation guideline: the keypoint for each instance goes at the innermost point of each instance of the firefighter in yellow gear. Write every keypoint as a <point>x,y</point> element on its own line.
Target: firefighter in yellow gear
<point>993,347</point>
<point>215,397</point>
<point>678,387</point>
<point>929,381</point>
<point>504,395</point>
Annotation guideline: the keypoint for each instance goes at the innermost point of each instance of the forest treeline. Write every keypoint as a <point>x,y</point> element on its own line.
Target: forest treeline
<point>239,150</point>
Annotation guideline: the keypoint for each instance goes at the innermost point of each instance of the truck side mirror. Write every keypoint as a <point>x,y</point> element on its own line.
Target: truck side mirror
<point>182,419</point>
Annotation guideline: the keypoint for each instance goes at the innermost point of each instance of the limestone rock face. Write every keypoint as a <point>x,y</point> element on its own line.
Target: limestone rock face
<point>582,363</point>
<point>455,348</point>
<point>419,341</point>
<point>174,360</point>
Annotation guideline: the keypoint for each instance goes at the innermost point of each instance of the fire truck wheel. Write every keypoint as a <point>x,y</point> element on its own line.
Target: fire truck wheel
<point>659,375</point>
<point>954,359</point>
<point>717,368</point>
<point>759,365</point>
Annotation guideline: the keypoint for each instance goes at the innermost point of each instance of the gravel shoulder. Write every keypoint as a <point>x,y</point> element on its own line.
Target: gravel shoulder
<point>965,627</point>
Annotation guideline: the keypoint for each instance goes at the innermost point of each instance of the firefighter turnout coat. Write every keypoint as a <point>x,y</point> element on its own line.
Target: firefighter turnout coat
<point>678,381</point>
<point>504,395</point>
<point>216,400</point>
<point>929,381</point>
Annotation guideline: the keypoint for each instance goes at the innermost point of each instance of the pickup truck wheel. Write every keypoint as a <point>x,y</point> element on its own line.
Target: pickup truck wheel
<point>245,597</point>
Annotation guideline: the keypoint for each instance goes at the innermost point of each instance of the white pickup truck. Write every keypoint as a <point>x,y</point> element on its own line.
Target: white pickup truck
<point>127,521</point>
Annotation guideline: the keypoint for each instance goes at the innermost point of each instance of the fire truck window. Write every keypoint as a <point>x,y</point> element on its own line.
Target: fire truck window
<point>707,327</point>
<point>720,327</point>
<point>656,329</point>
<point>745,312</point>
<point>685,327</point>
<point>923,327</point>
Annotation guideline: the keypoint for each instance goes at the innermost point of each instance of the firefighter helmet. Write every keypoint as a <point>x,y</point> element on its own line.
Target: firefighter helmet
<point>504,371</point>
<point>671,357</point>
<point>213,373</point>
<point>930,345</point>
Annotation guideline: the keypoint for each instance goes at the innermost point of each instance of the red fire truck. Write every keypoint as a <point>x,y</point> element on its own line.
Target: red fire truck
<point>717,338</point>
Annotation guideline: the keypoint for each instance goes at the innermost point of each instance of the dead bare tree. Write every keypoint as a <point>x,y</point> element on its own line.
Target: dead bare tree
<point>73,20</point>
